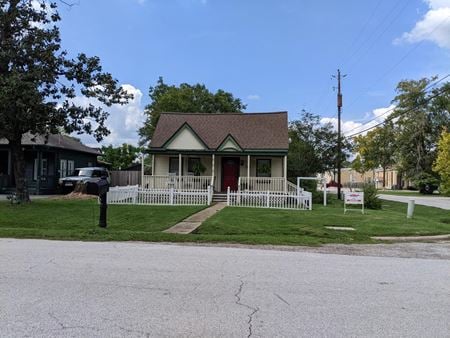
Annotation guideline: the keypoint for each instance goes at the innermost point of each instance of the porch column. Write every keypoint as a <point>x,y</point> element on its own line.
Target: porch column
<point>142,170</point>
<point>180,166</point>
<point>285,173</point>
<point>38,174</point>
<point>248,172</point>
<point>153,164</point>
<point>213,160</point>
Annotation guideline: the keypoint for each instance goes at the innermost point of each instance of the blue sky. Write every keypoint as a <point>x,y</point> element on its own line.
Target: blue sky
<point>274,55</point>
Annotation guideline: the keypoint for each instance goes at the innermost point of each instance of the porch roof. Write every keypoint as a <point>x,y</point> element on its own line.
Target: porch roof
<point>252,131</point>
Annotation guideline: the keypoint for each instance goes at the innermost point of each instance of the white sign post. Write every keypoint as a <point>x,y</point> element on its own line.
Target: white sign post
<point>353,198</point>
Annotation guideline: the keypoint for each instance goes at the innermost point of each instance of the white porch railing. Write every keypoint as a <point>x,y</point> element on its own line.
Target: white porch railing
<point>171,196</point>
<point>184,182</point>
<point>274,184</point>
<point>277,200</point>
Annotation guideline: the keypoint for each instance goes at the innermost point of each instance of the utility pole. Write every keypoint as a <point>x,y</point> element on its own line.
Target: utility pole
<point>339,140</point>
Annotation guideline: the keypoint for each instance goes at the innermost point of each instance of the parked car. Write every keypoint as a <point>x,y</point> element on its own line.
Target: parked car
<point>90,176</point>
<point>332,184</point>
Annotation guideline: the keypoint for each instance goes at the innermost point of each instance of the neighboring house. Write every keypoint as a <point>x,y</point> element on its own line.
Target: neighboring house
<point>46,161</point>
<point>351,178</point>
<point>243,151</point>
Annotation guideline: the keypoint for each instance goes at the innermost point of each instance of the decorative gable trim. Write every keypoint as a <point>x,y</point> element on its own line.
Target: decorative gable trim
<point>201,145</point>
<point>229,144</point>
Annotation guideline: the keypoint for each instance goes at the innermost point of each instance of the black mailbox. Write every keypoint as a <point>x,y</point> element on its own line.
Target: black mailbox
<point>103,188</point>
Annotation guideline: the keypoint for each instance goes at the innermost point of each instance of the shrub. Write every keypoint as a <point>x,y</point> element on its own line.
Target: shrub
<point>426,183</point>
<point>371,201</point>
<point>311,186</point>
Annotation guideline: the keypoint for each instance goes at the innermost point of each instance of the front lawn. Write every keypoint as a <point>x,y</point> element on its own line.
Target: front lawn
<point>309,227</point>
<point>77,220</point>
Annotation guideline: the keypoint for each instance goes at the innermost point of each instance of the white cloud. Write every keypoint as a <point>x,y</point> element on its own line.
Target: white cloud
<point>434,26</point>
<point>253,97</point>
<point>351,126</point>
<point>123,121</point>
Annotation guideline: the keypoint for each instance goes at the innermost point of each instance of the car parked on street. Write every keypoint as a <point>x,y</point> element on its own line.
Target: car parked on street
<point>89,176</point>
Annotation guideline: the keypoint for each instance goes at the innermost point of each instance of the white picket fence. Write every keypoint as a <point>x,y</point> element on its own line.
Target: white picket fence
<point>171,196</point>
<point>301,200</point>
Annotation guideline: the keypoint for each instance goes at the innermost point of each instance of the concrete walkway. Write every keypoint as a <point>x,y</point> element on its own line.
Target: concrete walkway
<point>191,223</point>
<point>430,201</point>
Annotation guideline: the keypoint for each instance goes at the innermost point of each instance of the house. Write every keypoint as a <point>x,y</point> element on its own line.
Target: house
<point>351,178</point>
<point>242,151</point>
<point>46,161</point>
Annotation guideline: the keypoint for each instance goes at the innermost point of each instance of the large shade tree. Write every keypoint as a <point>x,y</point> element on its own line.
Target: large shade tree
<point>39,80</point>
<point>376,149</point>
<point>420,116</point>
<point>313,146</point>
<point>185,98</point>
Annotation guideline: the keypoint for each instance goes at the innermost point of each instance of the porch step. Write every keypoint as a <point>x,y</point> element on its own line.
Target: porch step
<point>219,197</point>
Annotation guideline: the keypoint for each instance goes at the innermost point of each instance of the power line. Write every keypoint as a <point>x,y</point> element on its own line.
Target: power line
<point>392,109</point>
<point>401,113</point>
<point>372,34</point>
<point>409,52</point>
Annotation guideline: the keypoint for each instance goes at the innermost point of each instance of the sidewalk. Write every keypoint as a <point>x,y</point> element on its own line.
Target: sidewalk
<point>191,223</point>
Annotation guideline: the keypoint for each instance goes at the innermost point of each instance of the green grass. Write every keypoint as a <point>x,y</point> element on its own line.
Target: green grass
<point>308,227</point>
<point>77,220</point>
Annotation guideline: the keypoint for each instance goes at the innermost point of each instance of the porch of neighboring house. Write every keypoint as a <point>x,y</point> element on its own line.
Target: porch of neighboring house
<point>40,171</point>
<point>220,171</point>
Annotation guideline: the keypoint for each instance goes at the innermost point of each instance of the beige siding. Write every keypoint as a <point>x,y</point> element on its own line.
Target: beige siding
<point>185,140</point>
<point>162,165</point>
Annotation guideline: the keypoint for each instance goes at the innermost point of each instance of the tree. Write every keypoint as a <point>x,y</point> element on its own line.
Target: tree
<point>38,82</point>
<point>313,146</point>
<point>376,149</point>
<point>419,119</point>
<point>120,157</point>
<point>185,98</point>
<point>442,163</point>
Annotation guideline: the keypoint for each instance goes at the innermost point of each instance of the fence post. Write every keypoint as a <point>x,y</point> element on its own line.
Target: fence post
<point>209,195</point>
<point>228,196</point>
<point>268,199</point>
<point>310,201</point>
<point>171,196</point>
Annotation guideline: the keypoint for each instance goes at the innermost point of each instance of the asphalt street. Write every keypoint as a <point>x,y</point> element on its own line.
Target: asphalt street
<point>76,289</point>
<point>430,201</point>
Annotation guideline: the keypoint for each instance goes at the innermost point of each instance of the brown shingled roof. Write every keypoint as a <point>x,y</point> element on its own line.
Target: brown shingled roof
<point>256,131</point>
<point>56,141</point>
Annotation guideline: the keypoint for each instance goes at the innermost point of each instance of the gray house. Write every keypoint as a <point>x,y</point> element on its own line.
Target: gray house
<point>46,161</point>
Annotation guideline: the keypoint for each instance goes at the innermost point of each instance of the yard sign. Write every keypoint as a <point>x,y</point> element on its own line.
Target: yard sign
<point>353,198</point>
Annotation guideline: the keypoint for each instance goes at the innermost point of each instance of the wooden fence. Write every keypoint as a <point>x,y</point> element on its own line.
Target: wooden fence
<point>124,178</point>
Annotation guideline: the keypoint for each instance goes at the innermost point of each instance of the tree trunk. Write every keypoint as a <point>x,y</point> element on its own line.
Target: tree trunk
<point>384,177</point>
<point>18,157</point>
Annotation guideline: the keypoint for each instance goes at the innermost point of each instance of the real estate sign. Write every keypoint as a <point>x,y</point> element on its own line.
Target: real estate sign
<point>353,198</point>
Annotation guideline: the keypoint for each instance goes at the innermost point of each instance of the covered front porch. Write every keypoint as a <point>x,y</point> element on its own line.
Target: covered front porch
<point>245,172</point>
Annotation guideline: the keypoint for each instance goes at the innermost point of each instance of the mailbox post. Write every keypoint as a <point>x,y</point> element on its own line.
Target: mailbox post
<point>103,188</point>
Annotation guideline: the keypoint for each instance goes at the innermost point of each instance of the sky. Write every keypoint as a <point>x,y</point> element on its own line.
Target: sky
<point>276,55</point>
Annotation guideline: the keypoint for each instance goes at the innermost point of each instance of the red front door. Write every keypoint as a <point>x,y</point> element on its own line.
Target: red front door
<point>230,173</point>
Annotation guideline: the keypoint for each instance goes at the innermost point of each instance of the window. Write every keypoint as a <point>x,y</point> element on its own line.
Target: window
<point>263,168</point>
<point>62,168</point>
<point>173,165</point>
<point>70,167</point>
<point>194,165</point>
<point>43,173</point>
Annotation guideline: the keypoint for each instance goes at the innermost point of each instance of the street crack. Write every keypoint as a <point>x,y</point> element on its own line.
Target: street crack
<point>254,310</point>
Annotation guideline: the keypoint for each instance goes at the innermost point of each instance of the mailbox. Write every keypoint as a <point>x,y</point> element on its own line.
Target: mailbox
<point>103,188</point>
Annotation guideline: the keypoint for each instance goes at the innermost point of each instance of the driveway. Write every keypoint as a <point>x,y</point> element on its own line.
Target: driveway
<point>75,289</point>
<point>430,201</point>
